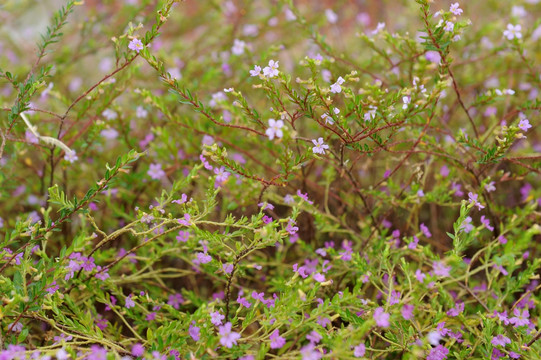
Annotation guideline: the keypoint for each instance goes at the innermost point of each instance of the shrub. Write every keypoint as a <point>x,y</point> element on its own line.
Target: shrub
<point>270,179</point>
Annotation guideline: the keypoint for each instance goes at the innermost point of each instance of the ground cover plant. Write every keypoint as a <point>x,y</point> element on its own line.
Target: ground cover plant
<point>270,179</point>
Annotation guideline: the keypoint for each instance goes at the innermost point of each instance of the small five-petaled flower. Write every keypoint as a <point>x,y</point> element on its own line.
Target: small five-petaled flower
<point>319,146</point>
<point>136,45</point>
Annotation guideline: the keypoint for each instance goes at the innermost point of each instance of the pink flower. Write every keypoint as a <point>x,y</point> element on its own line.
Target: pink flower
<point>228,338</point>
<point>381,317</point>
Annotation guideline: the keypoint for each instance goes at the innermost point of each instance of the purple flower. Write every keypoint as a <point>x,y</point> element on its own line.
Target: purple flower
<point>97,353</point>
<point>520,318</point>
<point>407,311</point>
<point>467,225</point>
<point>486,222</point>
<point>183,236</point>
<point>221,175</point>
<point>314,337</point>
<point>228,338</point>
<point>228,268</point>
<point>440,269</point>
<point>473,200</point>
<point>136,45</point>
<point>291,228</point>
<point>359,350</point>
<point>413,244</point>
<point>381,317</point>
<point>129,302</point>
<point>524,125</point>
<point>203,258</point>
<point>155,171</point>
<point>137,350</point>
<point>425,231</point>
<point>185,221</point>
<point>304,197</point>
<point>500,340</point>
<point>216,318</point>
<point>433,56</point>
<point>276,340</point>
<point>496,354</point>
<point>438,353</point>
<point>459,308</point>
<point>241,300</point>
<point>394,298</point>
<point>175,300</point>
<point>52,288</point>
<point>194,331</point>
<point>309,352</point>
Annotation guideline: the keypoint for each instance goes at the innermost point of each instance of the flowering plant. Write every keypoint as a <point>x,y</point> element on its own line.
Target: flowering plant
<point>270,179</point>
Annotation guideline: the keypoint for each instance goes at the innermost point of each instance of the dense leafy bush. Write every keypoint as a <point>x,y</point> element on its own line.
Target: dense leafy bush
<point>270,179</point>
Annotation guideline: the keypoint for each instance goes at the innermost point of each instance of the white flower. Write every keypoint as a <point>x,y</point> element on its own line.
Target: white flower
<point>71,156</point>
<point>216,98</point>
<point>109,114</point>
<point>336,111</point>
<point>449,26</point>
<point>256,71</point>
<point>275,129</point>
<point>290,16</point>
<point>455,9</point>
<point>271,70</point>
<point>327,118</point>
<point>141,112</point>
<point>331,16</point>
<point>336,88</point>
<point>406,100</point>
<point>175,73</point>
<point>320,146</point>
<point>238,47</point>
<point>513,32</point>
<point>380,27</point>
<point>370,114</point>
